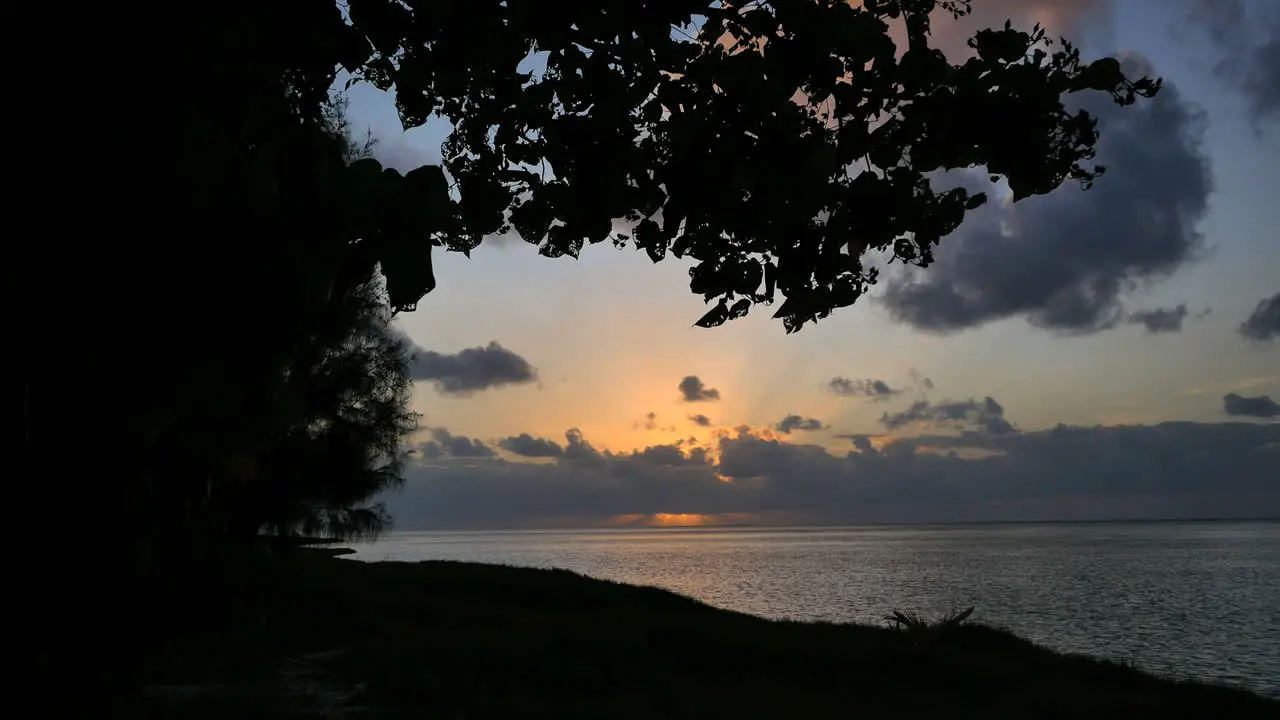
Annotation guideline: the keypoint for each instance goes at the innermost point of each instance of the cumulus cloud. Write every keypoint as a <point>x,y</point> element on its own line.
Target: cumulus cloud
<point>700,420</point>
<point>692,389</point>
<point>867,388</point>
<point>1071,18</point>
<point>796,422</point>
<point>1246,36</point>
<point>396,152</point>
<point>922,383</point>
<point>526,445</point>
<point>1160,320</point>
<point>471,370</point>
<point>1065,261</point>
<point>985,416</point>
<point>445,444</point>
<point>1166,470</point>
<point>1075,19</point>
<point>862,443</point>
<point>1261,406</point>
<point>650,422</point>
<point>1263,323</point>
<point>577,448</point>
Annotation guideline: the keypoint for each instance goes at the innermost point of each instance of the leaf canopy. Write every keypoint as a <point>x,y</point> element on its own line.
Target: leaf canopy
<point>774,143</point>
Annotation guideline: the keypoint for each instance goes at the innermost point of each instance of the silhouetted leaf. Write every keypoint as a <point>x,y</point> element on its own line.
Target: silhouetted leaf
<point>1102,74</point>
<point>406,264</point>
<point>716,316</point>
<point>532,219</point>
<point>653,111</point>
<point>428,193</point>
<point>650,238</point>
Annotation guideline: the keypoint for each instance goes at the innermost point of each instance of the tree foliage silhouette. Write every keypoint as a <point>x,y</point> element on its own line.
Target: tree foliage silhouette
<point>293,416</point>
<point>341,410</point>
<point>774,143</point>
<point>340,429</point>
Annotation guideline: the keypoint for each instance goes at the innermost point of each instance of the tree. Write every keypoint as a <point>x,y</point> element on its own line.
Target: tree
<point>342,417</point>
<point>343,410</point>
<point>774,142</point>
<point>293,417</point>
<point>338,413</point>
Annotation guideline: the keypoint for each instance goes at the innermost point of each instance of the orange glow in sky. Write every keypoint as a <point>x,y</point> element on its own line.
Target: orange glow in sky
<point>679,520</point>
<point>683,520</point>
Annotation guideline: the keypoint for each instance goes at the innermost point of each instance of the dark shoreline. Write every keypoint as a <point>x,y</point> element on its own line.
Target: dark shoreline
<point>446,639</point>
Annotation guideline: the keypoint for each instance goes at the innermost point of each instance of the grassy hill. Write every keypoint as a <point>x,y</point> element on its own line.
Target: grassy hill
<point>306,635</point>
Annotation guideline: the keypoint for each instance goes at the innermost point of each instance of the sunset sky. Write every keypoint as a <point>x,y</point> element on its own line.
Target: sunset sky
<point>553,392</point>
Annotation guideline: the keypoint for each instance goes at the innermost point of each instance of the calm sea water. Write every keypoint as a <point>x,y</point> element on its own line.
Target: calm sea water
<point>1193,599</point>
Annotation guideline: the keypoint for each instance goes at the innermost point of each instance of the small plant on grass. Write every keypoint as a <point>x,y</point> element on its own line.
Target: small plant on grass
<point>921,631</point>
<point>911,621</point>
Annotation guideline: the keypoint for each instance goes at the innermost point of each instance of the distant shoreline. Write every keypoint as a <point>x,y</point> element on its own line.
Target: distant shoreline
<point>832,525</point>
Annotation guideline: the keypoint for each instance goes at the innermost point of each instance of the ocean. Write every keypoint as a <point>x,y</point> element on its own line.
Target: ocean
<point>1180,599</point>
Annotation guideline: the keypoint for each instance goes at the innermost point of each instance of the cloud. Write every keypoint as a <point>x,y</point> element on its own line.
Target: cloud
<point>650,422</point>
<point>1160,320</point>
<point>700,420</point>
<point>526,445</point>
<point>1071,18</point>
<point>1064,261</point>
<point>578,449</point>
<point>1166,470</point>
<point>1261,406</point>
<point>444,444</point>
<point>796,422</point>
<point>1064,17</point>
<point>862,443</point>
<point>472,369</point>
<point>398,153</point>
<point>694,390</point>
<point>868,388</point>
<point>1247,38</point>
<point>986,416</point>
<point>1264,322</point>
<point>922,383</point>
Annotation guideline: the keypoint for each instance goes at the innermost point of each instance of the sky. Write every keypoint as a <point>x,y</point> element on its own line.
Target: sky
<point>1081,355</point>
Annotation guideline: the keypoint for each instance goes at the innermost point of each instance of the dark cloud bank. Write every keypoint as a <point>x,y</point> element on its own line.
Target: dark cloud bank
<point>1065,261</point>
<point>1169,470</point>
<point>1246,38</point>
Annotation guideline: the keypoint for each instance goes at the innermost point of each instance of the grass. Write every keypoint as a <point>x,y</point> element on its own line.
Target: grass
<point>455,640</point>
